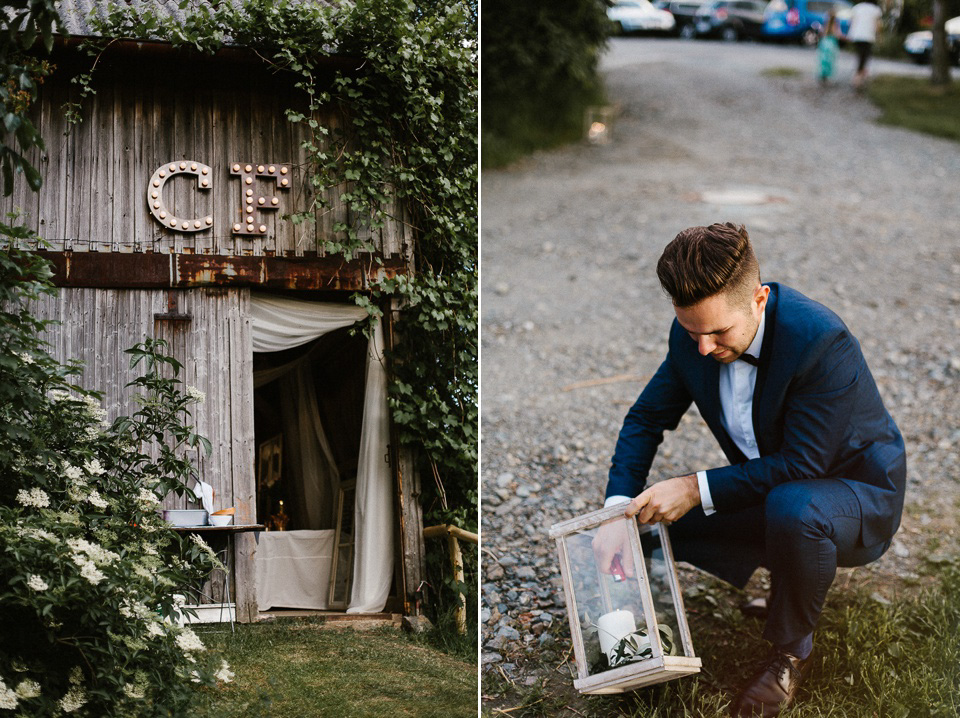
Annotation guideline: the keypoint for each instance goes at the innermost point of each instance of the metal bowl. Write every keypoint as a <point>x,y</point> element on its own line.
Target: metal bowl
<point>186,517</point>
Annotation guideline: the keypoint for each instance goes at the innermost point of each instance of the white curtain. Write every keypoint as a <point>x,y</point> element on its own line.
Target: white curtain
<point>314,471</point>
<point>374,512</point>
<point>278,323</point>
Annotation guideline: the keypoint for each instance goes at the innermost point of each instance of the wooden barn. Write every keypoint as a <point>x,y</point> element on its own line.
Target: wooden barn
<point>164,213</point>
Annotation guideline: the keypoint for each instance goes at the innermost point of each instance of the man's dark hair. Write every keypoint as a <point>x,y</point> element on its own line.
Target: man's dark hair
<point>703,261</point>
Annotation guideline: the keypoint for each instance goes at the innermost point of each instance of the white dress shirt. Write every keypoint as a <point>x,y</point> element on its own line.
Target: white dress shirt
<point>737,382</point>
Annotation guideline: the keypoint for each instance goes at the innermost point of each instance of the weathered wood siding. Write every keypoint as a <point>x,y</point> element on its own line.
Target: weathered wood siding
<point>152,111</point>
<point>215,348</point>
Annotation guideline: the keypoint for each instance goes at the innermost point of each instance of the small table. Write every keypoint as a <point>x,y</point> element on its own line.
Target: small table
<point>225,555</point>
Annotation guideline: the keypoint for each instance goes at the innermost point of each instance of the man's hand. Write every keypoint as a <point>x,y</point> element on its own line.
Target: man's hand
<point>612,540</point>
<point>666,500</point>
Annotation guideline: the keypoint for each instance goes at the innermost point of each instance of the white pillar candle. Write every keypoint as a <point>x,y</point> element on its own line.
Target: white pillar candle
<point>613,626</point>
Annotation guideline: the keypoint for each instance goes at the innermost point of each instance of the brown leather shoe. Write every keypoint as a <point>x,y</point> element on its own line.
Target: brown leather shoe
<point>773,688</point>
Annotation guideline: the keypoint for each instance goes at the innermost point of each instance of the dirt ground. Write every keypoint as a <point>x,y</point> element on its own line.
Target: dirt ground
<point>861,217</point>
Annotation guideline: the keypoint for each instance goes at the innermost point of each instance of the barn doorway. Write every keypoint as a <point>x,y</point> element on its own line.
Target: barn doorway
<point>323,487</point>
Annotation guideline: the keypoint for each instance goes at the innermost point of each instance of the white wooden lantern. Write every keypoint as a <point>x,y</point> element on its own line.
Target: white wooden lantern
<point>628,631</point>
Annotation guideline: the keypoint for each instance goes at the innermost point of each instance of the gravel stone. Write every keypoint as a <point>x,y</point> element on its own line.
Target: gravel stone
<point>489,657</point>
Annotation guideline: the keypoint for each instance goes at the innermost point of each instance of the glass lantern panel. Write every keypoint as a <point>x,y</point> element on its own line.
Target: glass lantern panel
<point>659,571</point>
<point>610,608</point>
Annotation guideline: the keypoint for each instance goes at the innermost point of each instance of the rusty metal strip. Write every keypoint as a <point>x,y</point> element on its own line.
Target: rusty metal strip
<point>156,270</point>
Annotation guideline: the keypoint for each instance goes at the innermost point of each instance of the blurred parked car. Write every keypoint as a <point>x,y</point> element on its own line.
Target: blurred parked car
<point>802,20</point>
<point>730,19</point>
<point>684,13</point>
<point>639,16</point>
<point>919,45</point>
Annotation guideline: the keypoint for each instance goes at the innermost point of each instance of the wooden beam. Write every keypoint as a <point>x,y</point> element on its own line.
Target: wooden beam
<point>145,270</point>
<point>450,530</point>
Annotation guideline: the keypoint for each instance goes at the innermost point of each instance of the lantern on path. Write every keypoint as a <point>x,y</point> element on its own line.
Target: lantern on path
<point>627,620</point>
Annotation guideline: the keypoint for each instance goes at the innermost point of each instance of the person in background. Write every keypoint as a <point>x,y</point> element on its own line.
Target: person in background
<point>864,26</point>
<point>827,49</point>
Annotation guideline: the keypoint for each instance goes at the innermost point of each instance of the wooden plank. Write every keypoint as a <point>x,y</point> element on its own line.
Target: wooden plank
<point>242,443</point>
<point>412,547</point>
<point>620,680</point>
<point>588,520</point>
<point>573,615</point>
<point>204,150</point>
<point>685,637</point>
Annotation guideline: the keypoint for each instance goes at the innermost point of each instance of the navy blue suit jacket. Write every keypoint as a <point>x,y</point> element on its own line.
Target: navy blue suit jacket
<point>816,413</point>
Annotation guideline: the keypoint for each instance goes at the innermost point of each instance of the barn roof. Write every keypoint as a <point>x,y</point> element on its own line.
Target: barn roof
<point>75,15</point>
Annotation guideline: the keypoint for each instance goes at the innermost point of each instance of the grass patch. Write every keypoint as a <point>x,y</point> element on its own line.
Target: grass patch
<point>915,104</point>
<point>299,668</point>
<point>782,72</point>
<point>895,661</point>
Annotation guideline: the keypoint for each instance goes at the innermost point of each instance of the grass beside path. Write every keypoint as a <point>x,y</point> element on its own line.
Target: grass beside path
<point>913,103</point>
<point>301,669</point>
<point>872,659</point>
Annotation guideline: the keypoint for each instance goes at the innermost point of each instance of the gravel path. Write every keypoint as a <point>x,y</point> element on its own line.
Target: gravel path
<point>861,217</point>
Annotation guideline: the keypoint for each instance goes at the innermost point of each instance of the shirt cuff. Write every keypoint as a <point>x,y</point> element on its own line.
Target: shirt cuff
<point>706,501</point>
<point>611,500</point>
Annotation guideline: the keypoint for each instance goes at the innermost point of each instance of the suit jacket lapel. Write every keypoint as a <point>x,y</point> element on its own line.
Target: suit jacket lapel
<point>759,413</point>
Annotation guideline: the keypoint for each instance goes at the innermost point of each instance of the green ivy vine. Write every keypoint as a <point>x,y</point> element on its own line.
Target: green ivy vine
<point>410,140</point>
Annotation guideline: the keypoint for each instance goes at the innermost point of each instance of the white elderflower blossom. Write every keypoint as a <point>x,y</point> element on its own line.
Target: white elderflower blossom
<point>196,394</point>
<point>72,472</point>
<point>8,699</point>
<point>93,467</point>
<point>75,493</point>
<point>37,583</point>
<point>33,497</point>
<point>91,573</point>
<point>76,676</point>
<point>24,357</point>
<point>224,674</point>
<point>28,689</point>
<point>94,410</point>
<point>134,609</point>
<point>147,499</point>
<point>105,536</point>
<point>75,698</point>
<point>40,534</point>
<point>188,641</point>
<point>134,691</point>
<point>205,547</point>
<point>154,630</point>
<point>142,571</point>
<point>97,500</point>
<point>91,433</point>
<point>60,395</point>
<point>97,553</point>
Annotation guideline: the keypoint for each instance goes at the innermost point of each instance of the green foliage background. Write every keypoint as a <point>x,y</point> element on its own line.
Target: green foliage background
<point>539,73</point>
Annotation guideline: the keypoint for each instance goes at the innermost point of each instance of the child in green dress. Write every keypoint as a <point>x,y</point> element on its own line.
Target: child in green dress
<point>827,49</point>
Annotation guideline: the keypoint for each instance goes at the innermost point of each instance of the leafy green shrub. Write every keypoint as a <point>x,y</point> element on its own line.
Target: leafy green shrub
<point>87,566</point>
<point>539,65</point>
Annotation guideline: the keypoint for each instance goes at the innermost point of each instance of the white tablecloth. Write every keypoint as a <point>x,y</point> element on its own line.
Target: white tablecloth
<point>293,569</point>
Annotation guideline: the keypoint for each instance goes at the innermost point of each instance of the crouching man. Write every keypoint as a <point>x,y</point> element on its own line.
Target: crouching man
<point>817,466</point>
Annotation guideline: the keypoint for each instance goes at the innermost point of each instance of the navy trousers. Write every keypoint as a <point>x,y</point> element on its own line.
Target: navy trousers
<point>801,533</point>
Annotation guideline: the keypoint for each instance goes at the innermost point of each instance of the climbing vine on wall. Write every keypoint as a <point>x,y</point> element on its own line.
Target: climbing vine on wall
<point>410,102</point>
